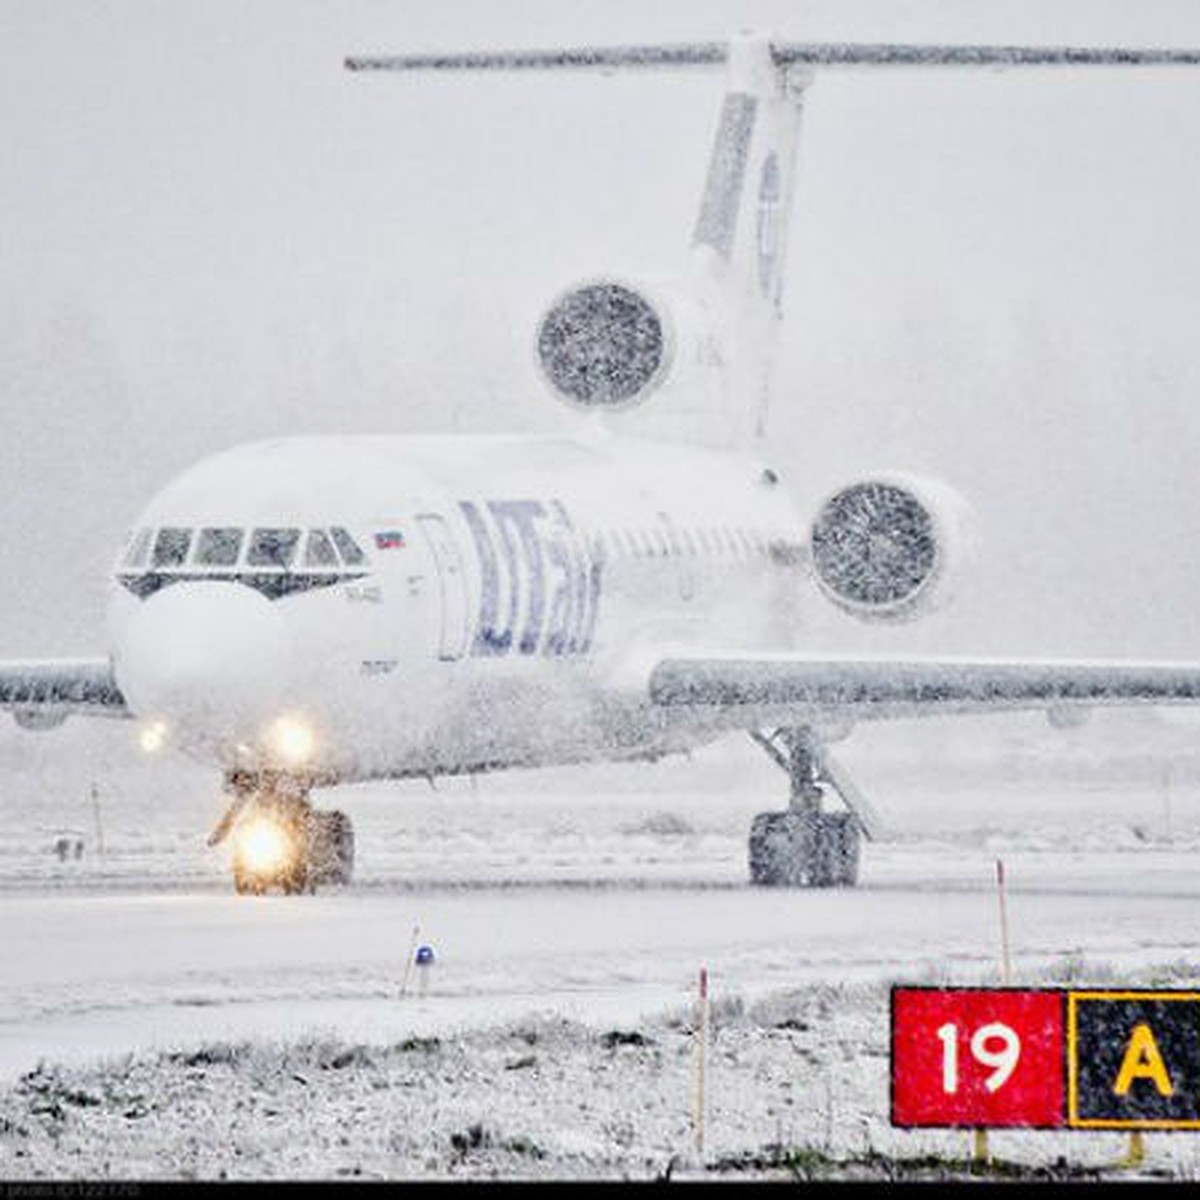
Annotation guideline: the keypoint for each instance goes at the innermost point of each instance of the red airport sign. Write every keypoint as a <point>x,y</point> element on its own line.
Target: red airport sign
<point>1045,1058</point>
<point>977,1058</point>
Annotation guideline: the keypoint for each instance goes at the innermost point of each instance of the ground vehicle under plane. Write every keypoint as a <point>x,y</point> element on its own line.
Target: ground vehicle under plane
<point>310,611</point>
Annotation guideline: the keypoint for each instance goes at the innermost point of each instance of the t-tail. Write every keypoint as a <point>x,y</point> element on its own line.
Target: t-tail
<point>708,343</point>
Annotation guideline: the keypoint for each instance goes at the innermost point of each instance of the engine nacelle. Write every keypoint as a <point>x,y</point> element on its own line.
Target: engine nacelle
<point>890,548</point>
<point>607,343</point>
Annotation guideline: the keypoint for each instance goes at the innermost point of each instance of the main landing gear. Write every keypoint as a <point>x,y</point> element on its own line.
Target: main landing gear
<point>280,840</point>
<point>805,846</point>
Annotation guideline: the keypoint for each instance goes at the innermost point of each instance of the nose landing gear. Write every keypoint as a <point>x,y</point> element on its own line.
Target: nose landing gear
<point>281,841</point>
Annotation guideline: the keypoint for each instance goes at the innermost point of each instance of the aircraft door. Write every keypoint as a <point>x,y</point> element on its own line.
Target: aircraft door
<point>452,583</point>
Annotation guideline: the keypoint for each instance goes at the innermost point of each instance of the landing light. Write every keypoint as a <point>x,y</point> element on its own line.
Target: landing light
<point>292,740</point>
<point>263,847</point>
<point>153,737</point>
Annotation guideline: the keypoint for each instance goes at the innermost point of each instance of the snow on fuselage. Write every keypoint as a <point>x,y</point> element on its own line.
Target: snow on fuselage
<point>374,606</point>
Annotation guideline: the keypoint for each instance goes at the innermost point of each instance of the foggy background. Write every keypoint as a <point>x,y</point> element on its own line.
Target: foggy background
<point>210,232</point>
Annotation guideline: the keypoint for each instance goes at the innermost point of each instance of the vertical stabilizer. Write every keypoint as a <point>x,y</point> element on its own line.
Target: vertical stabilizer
<point>740,238</point>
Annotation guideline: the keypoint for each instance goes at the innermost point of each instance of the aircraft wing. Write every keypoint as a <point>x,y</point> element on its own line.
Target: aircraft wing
<point>42,693</point>
<point>797,689</point>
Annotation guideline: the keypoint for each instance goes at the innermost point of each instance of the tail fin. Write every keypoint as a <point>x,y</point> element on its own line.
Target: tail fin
<point>740,236</point>
<point>740,239</point>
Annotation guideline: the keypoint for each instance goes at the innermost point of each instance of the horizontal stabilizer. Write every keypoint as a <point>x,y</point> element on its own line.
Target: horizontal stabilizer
<point>815,54</point>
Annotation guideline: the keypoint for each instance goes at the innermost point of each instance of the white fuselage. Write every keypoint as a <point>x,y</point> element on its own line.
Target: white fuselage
<point>512,595</point>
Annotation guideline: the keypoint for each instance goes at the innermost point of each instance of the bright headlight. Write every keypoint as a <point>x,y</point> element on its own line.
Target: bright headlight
<point>292,739</point>
<point>263,847</point>
<point>153,737</point>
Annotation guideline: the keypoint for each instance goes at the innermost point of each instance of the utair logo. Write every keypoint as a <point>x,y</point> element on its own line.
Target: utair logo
<point>541,582</point>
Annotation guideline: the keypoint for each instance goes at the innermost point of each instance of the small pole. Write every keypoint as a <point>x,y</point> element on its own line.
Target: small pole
<point>408,958</point>
<point>981,1154</point>
<point>424,959</point>
<point>1137,1150</point>
<point>1005,960</point>
<point>701,1054</point>
<point>1167,776</point>
<point>96,818</point>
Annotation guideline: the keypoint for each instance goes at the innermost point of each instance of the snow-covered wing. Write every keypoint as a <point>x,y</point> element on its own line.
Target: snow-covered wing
<point>810,687</point>
<point>48,690</point>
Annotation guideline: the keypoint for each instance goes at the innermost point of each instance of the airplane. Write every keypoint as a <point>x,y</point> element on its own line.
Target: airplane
<point>312,611</point>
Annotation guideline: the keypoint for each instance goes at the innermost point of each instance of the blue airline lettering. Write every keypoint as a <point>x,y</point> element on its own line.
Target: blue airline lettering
<point>486,640</point>
<point>549,575</point>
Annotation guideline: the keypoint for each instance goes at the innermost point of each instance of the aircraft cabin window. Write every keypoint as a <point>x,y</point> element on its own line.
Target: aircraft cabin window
<point>171,547</point>
<point>272,547</point>
<point>352,556</point>
<point>218,547</point>
<point>319,551</point>
<point>139,549</point>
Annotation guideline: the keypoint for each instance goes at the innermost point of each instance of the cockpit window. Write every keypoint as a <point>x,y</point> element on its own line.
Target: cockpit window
<point>218,547</point>
<point>138,550</point>
<point>274,564</point>
<point>171,547</point>
<point>352,556</point>
<point>272,547</point>
<point>319,551</point>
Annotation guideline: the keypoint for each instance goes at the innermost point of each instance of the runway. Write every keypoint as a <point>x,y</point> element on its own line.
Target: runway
<point>541,895</point>
<point>94,975</point>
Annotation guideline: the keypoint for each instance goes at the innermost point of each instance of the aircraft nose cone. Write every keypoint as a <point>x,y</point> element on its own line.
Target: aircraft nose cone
<point>210,657</point>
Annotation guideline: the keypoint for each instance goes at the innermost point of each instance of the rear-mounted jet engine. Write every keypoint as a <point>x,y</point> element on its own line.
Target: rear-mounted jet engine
<point>890,548</point>
<point>607,344</point>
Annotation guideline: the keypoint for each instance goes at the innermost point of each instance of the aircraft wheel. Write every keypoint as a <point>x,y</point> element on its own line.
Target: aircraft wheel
<point>777,857</point>
<point>332,848</point>
<point>804,849</point>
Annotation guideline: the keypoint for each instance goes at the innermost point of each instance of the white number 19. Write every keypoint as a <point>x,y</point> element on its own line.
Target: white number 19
<point>1002,1060</point>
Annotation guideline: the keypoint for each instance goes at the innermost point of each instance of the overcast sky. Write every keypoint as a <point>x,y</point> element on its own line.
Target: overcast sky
<point>209,232</point>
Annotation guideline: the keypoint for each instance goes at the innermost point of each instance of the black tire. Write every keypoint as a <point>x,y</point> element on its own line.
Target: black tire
<point>296,881</point>
<point>331,848</point>
<point>795,849</point>
<point>777,850</point>
<point>846,847</point>
<point>245,883</point>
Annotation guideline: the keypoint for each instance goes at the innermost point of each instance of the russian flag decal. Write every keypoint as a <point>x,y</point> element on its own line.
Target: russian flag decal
<point>389,539</point>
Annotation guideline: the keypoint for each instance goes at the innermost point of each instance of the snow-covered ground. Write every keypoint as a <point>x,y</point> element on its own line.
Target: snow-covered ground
<point>152,1024</point>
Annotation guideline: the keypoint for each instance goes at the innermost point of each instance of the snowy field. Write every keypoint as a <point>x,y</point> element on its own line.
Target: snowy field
<point>154,1025</point>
